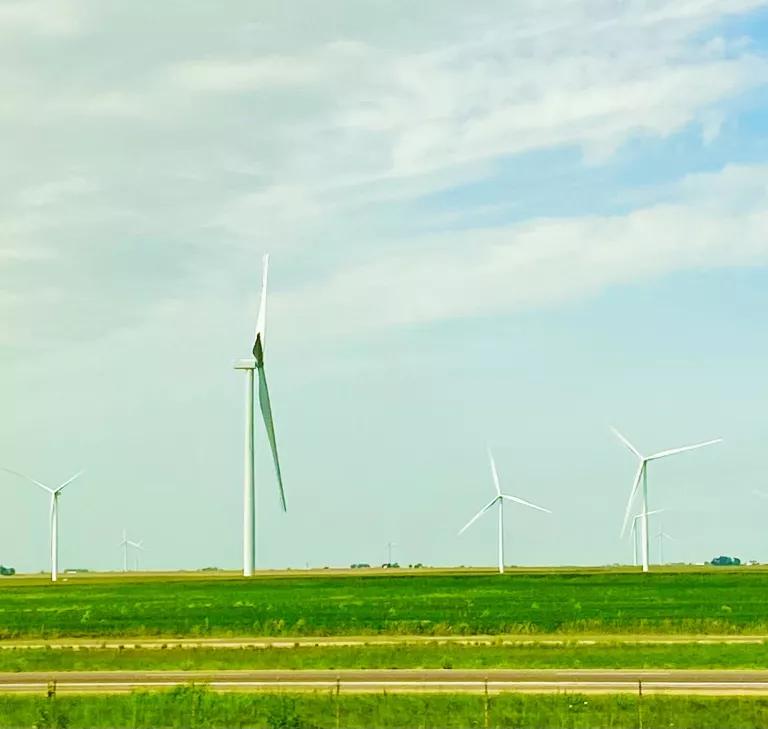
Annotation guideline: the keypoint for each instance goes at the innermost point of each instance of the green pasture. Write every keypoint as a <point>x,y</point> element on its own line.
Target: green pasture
<point>193,708</point>
<point>401,656</point>
<point>524,602</point>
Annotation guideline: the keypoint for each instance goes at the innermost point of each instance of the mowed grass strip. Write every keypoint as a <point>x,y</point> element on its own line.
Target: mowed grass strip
<point>193,707</point>
<point>403,656</point>
<point>708,601</point>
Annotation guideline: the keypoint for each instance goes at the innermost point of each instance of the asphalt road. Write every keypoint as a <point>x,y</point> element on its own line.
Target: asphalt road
<point>735,682</point>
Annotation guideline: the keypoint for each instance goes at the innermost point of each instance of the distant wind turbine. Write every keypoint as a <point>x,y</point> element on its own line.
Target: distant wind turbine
<point>661,536</point>
<point>138,546</point>
<point>642,475</point>
<point>125,544</point>
<point>389,552</point>
<point>249,489</point>
<point>54,515</point>
<point>499,500</point>
<point>635,519</point>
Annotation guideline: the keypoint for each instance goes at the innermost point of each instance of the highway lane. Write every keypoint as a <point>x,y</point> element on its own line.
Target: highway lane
<point>733,682</point>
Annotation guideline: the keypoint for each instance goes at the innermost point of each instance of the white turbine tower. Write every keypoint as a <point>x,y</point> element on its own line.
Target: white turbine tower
<point>642,475</point>
<point>249,490</point>
<point>499,499</point>
<point>54,515</point>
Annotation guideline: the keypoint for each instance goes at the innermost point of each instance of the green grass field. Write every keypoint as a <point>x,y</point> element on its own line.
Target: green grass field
<point>193,708</point>
<point>524,602</point>
<point>407,655</point>
<point>616,608</point>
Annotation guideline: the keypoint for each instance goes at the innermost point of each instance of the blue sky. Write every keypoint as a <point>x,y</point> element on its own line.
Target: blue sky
<point>506,226</point>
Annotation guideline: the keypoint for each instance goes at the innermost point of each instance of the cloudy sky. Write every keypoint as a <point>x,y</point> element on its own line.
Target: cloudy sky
<point>504,224</point>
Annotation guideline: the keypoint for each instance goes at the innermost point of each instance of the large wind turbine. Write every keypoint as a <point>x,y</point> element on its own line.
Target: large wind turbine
<point>642,475</point>
<point>499,499</point>
<point>249,491</point>
<point>54,517</point>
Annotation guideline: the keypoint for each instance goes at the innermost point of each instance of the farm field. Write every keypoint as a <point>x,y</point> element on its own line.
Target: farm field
<point>425,619</point>
<point>400,656</point>
<point>525,602</point>
<point>193,707</point>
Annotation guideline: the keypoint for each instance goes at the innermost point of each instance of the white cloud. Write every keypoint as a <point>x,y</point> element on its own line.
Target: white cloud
<point>39,17</point>
<point>228,76</point>
<point>544,262</point>
<point>50,193</point>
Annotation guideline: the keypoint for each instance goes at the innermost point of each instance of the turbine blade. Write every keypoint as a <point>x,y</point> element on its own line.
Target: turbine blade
<point>478,515</point>
<point>635,486</point>
<point>266,412</point>
<point>647,513</point>
<point>27,478</point>
<point>524,502</point>
<point>495,473</point>
<point>626,443</point>
<point>69,481</point>
<point>53,510</point>
<point>673,451</point>
<point>261,321</point>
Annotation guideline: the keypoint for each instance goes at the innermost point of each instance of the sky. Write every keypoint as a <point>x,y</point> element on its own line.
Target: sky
<point>504,225</point>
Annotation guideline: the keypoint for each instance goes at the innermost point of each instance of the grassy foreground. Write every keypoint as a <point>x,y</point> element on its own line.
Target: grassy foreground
<point>191,707</point>
<point>689,601</point>
<point>406,655</point>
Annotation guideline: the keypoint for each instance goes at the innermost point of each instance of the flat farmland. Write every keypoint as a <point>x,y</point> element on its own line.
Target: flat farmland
<point>407,654</point>
<point>524,602</point>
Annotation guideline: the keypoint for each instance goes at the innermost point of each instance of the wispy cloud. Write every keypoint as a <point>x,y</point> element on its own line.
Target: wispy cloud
<point>40,17</point>
<point>248,75</point>
<point>55,191</point>
<point>704,223</point>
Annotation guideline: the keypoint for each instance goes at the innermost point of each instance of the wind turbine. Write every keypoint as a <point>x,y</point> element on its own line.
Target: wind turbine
<point>499,499</point>
<point>139,548</point>
<point>125,544</point>
<point>634,532</point>
<point>642,475</point>
<point>389,552</point>
<point>249,490</point>
<point>54,516</point>
<point>661,536</point>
